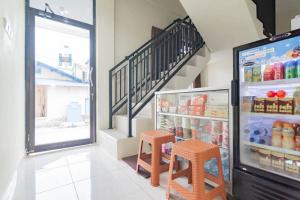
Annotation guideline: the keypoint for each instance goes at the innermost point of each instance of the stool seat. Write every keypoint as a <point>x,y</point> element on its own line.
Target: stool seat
<point>149,136</point>
<point>194,146</point>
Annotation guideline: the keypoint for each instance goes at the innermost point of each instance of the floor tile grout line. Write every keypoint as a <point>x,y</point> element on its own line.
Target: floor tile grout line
<point>73,182</point>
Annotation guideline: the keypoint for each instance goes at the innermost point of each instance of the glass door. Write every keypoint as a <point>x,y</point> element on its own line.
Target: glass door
<point>269,107</point>
<point>60,82</point>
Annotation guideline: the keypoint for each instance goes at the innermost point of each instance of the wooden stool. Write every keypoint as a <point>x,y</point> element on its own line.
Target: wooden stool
<point>155,139</point>
<point>197,153</point>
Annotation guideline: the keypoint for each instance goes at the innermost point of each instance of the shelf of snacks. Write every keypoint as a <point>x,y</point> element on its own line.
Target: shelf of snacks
<point>270,115</point>
<point>293,81</point>
<point>193,116</point>
<point>278,72</point>
<point>198,113</point>
<point>273,148</point>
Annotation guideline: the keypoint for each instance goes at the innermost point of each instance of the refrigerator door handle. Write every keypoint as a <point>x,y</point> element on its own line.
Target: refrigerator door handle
<point>234,93</point>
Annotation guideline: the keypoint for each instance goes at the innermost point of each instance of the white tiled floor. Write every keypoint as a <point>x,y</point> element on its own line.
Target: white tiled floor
<point>86,173</point>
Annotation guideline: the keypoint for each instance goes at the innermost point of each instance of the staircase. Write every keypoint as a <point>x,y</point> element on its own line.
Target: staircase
<point>171,60</point>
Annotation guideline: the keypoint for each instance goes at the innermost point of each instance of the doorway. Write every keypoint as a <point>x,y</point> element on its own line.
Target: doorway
<point>60,76</point>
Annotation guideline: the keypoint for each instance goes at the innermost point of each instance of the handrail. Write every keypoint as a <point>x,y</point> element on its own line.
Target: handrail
<point>134,80</point>
<point>152,39</point>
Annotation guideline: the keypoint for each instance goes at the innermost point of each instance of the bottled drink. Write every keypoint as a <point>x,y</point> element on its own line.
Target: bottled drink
<point>288,136</point>
<point>298,68</point>
<point>297,138</point>
<point>290,70</point>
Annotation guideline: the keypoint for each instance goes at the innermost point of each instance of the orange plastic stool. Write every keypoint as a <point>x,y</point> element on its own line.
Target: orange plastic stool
<point>155,139</point>
<point>197,153</point>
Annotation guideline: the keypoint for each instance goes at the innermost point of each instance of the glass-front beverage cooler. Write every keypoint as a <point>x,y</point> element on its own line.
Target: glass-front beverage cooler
<point>266,101</point>
<point>203,114</point>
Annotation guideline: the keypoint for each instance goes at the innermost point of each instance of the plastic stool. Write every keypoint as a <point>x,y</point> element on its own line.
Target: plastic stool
<point>197,153</point>
<point>155,139</point>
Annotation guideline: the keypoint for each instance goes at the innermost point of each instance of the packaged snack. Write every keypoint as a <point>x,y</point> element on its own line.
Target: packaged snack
<point>277,134</point>
<point>254,153</point>
<point>264,157</point>
<point>248,74</point>
<point>277,160</point>
<point>247,104</point>
<point>272,105</point>
<point>288,136</point>
<point>225,135</point>
<point>290,69</point>
<point>297,137</point>
<point>256,74</point>
<point>269,73</point>
<point>183,110</point>
<point>196,110</point>
<point>198,100</point>
<point>292,163</point>
<point>298,68</point>
<point>219,111</point>
<point>259,105</point>
<point>286,105</point>
<point>297,105</point>
<point>278,71</point>
<point>216,132</point>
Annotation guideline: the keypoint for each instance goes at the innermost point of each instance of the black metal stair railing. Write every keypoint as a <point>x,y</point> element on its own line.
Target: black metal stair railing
<point>134,81</point>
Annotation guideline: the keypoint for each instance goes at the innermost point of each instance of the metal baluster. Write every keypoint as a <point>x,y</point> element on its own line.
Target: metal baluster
<point>129,101</point>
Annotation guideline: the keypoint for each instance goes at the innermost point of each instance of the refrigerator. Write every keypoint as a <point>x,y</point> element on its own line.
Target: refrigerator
<point>266,116</point>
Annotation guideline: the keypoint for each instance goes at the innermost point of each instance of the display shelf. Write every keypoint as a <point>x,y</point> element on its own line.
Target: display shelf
<point>269,115</point>
<point>293,81</point>
<point>193,116</point>
<point>277,149</point>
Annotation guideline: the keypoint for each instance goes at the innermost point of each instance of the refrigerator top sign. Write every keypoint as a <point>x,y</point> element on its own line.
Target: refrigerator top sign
<point>282,50</point>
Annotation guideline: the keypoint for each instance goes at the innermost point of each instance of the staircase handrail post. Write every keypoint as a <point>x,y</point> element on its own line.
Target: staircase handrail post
<point>129,97</point>
<point>110,101</point>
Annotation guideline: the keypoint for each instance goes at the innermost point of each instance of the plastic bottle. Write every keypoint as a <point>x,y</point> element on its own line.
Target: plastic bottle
<point>288,136</point>
<point>297,138</point>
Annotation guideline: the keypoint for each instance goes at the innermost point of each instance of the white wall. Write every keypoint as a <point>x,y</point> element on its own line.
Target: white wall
<point>134,19</point>
<point>122,27</point>
<point>12,91</point>
<point>285,11</point>
<point>219,70</point>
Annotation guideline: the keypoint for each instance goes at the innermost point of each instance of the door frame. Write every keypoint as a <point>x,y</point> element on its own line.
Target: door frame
<point>30,14</point>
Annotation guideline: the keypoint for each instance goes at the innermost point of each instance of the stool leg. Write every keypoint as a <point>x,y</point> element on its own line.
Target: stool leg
<point>198,179</point>
<point>155,164</point>
<point>190,177</point>
<point>139,155</point>
<point>172,161</point>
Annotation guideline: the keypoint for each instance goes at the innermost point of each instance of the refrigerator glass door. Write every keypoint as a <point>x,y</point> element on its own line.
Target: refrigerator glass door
<point>270,107</point>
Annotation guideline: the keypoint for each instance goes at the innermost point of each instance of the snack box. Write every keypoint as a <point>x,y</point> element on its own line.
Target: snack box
<point>183,110</point>
<point>220,111</point>
<point>198,100</point>
<point>247,103</point>
<point>286,105</point>
<point>264,157</point>
<point>292,163</point>
<point>248,74</point>
<point>277,160</point>
<point>256,74</point>
<point>259,105</point>
<point>196,110</point>
<point>271,105</point>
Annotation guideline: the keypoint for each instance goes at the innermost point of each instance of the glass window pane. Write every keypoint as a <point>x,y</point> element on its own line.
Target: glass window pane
<point>80,10</point>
